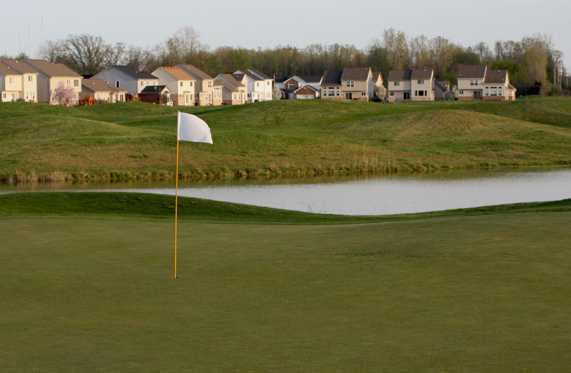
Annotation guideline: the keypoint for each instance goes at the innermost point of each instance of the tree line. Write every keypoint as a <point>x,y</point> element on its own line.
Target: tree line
<point>535,65</point>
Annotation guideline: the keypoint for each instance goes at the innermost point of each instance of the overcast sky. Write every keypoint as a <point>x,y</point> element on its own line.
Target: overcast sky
<point>267,23</point>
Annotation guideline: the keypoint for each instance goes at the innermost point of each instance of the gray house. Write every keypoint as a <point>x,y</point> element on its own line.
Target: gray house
<point>128,79</point>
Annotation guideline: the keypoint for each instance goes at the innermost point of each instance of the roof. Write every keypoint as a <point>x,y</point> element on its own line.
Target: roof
<point>7,70</point>
<point>98,85</point>
<point>311,78</point>
<point>254,74</point>
<point>422,74</point>
<point>471,71</point>
<point>177,73</point>
<point>227,81</point>
<point>18,66</point>
<point>127,70</point>
<point>306,89</point>
<point>51,69</point>
<point>238,75</point>
<point>195,72</point>
<point>154,89</point>
<point>496,76</point>
<point>355,73</point>
<point>399,75</point>
<point>332,77</point>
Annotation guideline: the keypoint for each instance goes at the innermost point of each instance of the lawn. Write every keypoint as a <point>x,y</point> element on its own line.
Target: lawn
<point>85,286</point>
<point>135,142</point>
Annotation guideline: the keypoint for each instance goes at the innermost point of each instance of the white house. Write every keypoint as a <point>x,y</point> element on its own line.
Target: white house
<point>259,87</point>
<point>497,86</point>
<point>58,82</point>
<point>127,78</point>
<point>228,91</point>
<point>96,90</point>
<point>476,82</point>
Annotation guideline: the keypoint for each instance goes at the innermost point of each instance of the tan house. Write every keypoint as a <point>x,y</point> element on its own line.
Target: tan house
<point>497,86</point>
<point>228,91</point>
<point>411,85</point>
<point>357,83</point>
<point>98,91</point>
<point>56,82</point>
<point>331,85</point>
<point>181,85</point>
<point>203,84</point>
<point>19,81</point>
<point>470,82</point>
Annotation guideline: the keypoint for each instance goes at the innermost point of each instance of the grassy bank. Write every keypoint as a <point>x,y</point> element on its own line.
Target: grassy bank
<point>281,139</point>
<point>459,292</point>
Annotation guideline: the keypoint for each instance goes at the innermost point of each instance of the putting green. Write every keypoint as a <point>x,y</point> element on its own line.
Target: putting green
<point>473,291</point>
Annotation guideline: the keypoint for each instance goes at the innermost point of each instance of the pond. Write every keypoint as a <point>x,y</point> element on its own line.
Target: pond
<point>376,196</point>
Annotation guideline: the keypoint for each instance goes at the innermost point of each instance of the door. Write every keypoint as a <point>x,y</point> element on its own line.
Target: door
<point>407,95</point>
<point>478,95</point>
<point>349,95</point>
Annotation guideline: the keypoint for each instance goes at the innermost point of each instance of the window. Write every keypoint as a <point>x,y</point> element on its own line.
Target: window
<point>392,94</point>
<point>29,78</point>
<point>420,81</point>
<point>350,83</point>
<point>461,91</point>
<point>182,84</point>
<point>10,80</point>
<point>397,84</point>
<point>76,83</point>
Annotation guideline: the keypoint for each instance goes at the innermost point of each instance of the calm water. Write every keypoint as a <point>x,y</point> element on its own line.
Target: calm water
<point>389,195</point>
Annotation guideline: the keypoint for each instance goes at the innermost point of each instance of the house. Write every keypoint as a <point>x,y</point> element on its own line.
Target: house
<point>22,82</point>
<point>228,91</point>
<point>292,84</point>
<point>497,86</point>
<point>422,84</point>
<point>307,92</point>
<point>414,85</point>
<point>399,85</point>
<point>357,83</point>
<point>259,87</point>
<point>331,85</point>
<point>11,83</point>
<point>56,83</point>
<point>180,84</point>
<point>470,82</point>
<point>127,78</point>
<point>203,84</point>
<point>156,94</point>
<point>97,90</point>
<point>380,92</point>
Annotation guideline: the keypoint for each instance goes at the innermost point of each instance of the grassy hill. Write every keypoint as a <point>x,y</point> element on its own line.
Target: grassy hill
<point>281,139</point>
<point>265,290</point>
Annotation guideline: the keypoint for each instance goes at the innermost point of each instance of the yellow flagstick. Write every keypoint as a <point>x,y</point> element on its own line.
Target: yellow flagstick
<point>175,251</point>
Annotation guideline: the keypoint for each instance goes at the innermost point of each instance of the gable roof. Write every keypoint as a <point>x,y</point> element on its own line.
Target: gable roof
<point>254,74</point>
<point>399,75</point>
<point>421,74</point>
<point>7,70</point>
<point>471,71</point>
<point>496,76</point>
<point>176,72</point>
<point>355,73</point>
<point>194,71</point>
<point>19,66</point>
<point>332,77</point>
<point>227,81</point>
<point>52,69</point>
<point>306,89</point>
<point>311,78</point>
<point>134,74</point>
<point>98,85</point>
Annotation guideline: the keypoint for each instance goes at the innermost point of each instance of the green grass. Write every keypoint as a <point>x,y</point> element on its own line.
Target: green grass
<point>136,142</point>
<point>84,287</point>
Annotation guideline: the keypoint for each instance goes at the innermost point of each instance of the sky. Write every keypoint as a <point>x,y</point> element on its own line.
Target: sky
<point>268,23</point>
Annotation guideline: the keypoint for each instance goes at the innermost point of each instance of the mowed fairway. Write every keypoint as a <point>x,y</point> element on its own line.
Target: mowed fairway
<point>483,290</point>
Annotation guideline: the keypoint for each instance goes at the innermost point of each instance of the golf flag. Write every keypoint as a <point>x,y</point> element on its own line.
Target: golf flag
<point>193,129</point>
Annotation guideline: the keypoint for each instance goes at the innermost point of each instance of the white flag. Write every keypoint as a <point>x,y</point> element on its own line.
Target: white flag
<point>192,128</point>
